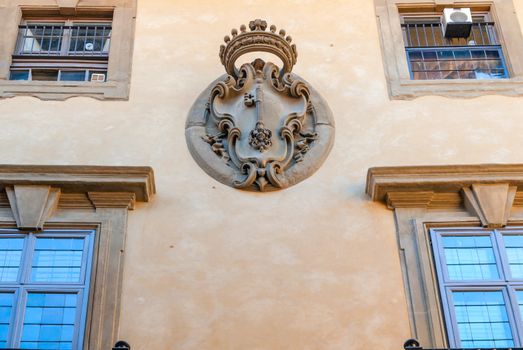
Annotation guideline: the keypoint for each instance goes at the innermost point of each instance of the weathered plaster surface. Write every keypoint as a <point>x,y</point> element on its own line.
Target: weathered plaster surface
<point>312,267</point>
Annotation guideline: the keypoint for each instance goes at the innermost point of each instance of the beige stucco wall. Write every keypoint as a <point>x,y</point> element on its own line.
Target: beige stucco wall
<point>312,267</point>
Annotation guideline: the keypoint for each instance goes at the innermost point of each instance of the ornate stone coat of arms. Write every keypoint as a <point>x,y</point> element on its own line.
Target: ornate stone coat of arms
<point>259,127</point>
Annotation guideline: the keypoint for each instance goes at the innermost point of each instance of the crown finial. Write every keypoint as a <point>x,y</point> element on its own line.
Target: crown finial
<point>255,40</point>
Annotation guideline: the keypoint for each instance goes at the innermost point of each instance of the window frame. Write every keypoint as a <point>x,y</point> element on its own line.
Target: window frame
<point>506,283</point>
<point>23,286</point>
<point>395,61</point>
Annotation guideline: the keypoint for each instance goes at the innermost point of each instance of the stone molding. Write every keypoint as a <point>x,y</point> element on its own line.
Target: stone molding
<point>84,179</point>
<point>491,203</point>
<point>260,127</point>
<point>489,191</point>
<point>32,205</point>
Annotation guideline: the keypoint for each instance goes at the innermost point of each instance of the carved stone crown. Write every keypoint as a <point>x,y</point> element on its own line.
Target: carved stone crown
<point>257,40</point>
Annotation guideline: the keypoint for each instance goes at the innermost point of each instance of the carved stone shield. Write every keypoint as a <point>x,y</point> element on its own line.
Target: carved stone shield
<point>259,127</point>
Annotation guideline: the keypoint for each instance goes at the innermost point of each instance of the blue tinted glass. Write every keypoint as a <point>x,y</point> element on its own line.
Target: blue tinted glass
<point>445,55</point>
<point>10,257</point>
<point>72,76</point>
<point>49,321</point>
<point>482,319</point>
<point>492,53</point>
<point>470,258</point>
<point>461,54</point>
<point>520,301</point>
<point>19,75</point>
<point>57,260</point>
<point>6,306</point>
<point>514,249</point>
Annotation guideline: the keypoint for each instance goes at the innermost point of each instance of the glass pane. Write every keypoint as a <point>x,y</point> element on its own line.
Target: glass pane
<point>72,75</point>
<point>10,257</point>
<point>41,39</point>
<point>44,75</point>
<point>482,319</point>
<point>465,63</point>
<point>49,321</point>
<point>470,258</point>
<point>57,260</point>
<point>514,249</point>
<point>19,75</point>
<point>519,294</point>
<point>6,306</point>
<point>90,40</point>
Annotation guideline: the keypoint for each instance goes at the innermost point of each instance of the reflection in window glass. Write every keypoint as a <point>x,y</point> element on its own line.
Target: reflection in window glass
<point>470,258</point>
<point>482,320</point>
<point>49,321</point>
<point>72,75</point>
<point>57,260</point>
<point>6,306</point>
<point>19,75</point>
<point>10,257</point>
<point>514,249</point>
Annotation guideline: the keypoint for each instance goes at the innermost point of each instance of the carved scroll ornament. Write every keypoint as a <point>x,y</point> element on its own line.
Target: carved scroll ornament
<point>259,127</point>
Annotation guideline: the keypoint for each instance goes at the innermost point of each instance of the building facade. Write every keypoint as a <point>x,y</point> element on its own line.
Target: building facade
<point>113,231</point>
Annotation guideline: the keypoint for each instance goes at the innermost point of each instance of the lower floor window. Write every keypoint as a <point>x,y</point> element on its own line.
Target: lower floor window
<point>44,287</point>
<point>480,274</point>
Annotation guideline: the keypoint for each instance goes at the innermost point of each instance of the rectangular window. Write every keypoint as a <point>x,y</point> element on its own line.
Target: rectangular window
<point>481,285</point>
<point>66,50</point>
<point>44,284</point>
<point>431,55</point>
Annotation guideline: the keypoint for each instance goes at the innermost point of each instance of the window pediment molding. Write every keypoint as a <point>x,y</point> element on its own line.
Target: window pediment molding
<point>488,191</point>
<point>83,179</point>
<point>439,178</point>
<point>35,193</point>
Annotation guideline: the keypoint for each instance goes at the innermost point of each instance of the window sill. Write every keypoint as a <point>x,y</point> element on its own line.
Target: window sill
<point>63,90</point>
<point>456,88</point>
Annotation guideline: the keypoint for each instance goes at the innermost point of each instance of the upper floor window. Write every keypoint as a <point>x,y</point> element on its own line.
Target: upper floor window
<point>66,50</point>
<point>480,274</point>
<point>434,54</point>
<point>421,58</point>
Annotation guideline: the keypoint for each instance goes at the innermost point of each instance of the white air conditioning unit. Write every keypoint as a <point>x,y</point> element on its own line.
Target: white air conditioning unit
<point>457,23</point>
<point>98,77</point>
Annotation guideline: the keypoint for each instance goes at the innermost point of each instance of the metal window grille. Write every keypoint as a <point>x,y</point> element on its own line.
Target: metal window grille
<point>432,56</point>
<point>61,40</point>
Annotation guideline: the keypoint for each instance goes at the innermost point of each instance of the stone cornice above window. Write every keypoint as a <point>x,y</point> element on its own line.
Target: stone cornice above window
<point>76,179</point>
<point>489,191</point>
<point>35,192</point>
